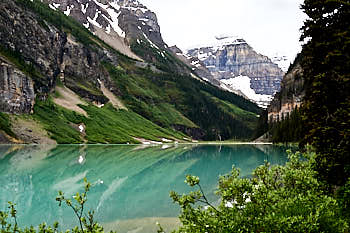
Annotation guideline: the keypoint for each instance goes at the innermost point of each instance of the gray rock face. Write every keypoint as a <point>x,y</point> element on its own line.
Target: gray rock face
<point>16,90</point>
<point>237,58</point>
<point>137,21</point>
<point>53,54</point>
<point>290,96</point>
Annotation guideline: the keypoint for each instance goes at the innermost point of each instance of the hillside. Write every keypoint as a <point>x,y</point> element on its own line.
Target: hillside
<point>77,88</point>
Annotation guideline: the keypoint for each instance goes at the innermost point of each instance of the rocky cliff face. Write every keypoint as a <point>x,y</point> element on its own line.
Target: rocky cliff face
<point>50,51</point>
<point>232,58</point>
<point>16,89</point>
<point>290,96</point>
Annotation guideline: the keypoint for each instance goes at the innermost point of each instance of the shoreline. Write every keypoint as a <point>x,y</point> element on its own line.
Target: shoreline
<point>151,144</point>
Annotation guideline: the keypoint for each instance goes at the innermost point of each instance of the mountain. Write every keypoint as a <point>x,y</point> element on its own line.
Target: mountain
<point>116,22</point>
<point>291,94</point>
<point>234,63</point>
<point>284,114</point>
<point>198,68</point>
<point>88,72</point>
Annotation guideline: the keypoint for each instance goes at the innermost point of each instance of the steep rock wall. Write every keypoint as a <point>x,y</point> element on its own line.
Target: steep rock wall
<point>16,90</point>
<point>290,96</point>
<point>53,54</point>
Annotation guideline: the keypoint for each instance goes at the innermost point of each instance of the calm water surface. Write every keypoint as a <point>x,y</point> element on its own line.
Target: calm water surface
<point>131,184</point>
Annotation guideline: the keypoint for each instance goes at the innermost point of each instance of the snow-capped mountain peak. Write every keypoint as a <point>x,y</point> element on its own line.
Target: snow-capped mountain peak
<point>235,64</point>
<point>117,22</point>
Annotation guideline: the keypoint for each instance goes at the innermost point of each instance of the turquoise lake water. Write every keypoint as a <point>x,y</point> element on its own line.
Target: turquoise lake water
<point>131,184</point>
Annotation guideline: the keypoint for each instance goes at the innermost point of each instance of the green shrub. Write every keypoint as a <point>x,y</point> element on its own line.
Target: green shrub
<point>343,195</point>
<point>86,221</point>
<point>276,199</point>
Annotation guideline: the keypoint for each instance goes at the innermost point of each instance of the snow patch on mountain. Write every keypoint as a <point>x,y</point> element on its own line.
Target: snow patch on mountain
<point>115,5</point>
<point>101,5</point>
<point>69,8</point>
<point>112,11</point>
<point>133,5</point>
<point>243,84</point>
<point>84,8</point>
<point>151,43</point>
<point>93,21</point>
<point>52,7</point>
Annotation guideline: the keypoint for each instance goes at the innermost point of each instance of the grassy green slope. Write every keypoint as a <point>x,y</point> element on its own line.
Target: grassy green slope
<point>171,99</point>
<point>103,125</point>
<point>242,115</point>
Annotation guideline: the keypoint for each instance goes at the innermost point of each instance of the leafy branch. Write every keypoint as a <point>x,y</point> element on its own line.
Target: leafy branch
<point>87,223</point>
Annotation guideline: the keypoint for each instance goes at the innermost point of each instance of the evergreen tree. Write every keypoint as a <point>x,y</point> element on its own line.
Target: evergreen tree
<point>326,66</point>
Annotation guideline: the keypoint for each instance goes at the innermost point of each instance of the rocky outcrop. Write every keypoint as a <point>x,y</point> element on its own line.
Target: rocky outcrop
<point>127,26</point>
<point>238,58</point>
<point>16,90</point>
<point>290,96</point>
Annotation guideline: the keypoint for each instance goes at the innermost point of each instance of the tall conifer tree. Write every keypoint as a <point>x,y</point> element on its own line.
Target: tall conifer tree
<point>326,66</point>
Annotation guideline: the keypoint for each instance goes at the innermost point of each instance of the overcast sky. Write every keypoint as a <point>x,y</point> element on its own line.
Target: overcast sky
<point>269,26</point>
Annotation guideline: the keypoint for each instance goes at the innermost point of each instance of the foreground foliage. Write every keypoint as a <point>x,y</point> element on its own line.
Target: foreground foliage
<point>276,199</point>
<point>86,221</point>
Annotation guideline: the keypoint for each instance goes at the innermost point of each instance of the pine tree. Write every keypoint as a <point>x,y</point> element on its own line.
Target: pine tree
<point>326,66</point>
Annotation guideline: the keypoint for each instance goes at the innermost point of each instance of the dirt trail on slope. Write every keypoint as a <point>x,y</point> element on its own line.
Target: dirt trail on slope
<point>69,100</point>
<point>112,98</point>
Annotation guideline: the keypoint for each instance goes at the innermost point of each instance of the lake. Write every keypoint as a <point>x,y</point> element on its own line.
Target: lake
<point>130,184</point>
